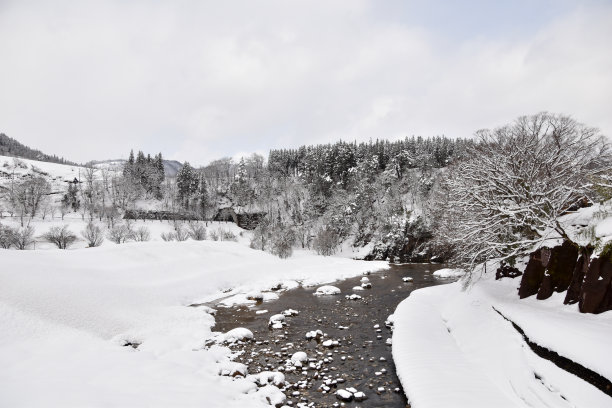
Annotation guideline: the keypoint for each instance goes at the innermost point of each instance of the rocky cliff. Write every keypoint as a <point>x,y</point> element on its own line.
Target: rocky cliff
<point>566,268</point>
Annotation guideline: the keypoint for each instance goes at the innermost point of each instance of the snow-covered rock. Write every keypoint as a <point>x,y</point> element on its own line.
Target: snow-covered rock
<point>407,279</point>
<point>314,334</point>
<point>299,356</point>
<point>327,290</point>
<point>232,369</point>
<point>277,321</point>
<point>353,297</point>
<point>344,395</point>
<point>290,312</point>
<point>237,334</point>
<point>267,377</point>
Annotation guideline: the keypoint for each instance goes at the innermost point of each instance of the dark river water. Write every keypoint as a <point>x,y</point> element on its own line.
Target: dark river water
<point>362,359</point>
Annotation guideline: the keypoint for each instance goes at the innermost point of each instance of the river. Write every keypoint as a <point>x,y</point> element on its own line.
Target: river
<point>362,359</point>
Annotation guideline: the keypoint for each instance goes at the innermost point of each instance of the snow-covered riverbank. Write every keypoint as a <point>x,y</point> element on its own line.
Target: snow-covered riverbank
<point>64,316</point>
<point>452,348</point>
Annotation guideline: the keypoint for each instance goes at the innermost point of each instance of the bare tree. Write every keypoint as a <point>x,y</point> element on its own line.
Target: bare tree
<point>62,237</point>
<point>27,195</point>
<point>326,241</point>
<point>22,238</point>
<point>508,196</point>
<point>93,234</point>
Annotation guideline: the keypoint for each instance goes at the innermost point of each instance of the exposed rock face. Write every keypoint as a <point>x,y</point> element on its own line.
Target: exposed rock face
<point>559,270</point>
<point>573,292</point>
<point>587,281</point>
<point>596,293</point>
<point>534,273</point>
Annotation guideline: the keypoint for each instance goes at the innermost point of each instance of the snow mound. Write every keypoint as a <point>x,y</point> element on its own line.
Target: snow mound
<point>447,273</point>
<point>327,290</point>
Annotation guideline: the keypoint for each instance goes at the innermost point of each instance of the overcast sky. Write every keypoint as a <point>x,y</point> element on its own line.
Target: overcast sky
<point>198,80</point>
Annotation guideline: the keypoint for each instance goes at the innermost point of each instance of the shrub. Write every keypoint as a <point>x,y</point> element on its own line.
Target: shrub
<point>214,235</point>
<point>62,237</point>
<point>168,236</point>
<point>227,236</point>
<point>119,234</point>
<point>141,234</point>
<point>181,234</point>
<point>93,234</point>
<point>197,232</point>
<point>6,234</point>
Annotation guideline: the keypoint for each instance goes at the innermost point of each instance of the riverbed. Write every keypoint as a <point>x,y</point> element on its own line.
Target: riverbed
<point>361,359</point>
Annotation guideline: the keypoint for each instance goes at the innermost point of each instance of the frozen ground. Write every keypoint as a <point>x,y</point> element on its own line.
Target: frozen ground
<point>65,316</point>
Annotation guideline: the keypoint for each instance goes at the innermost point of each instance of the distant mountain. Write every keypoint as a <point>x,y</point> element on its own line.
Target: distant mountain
<point>11,147</point>
<point>171,167</point>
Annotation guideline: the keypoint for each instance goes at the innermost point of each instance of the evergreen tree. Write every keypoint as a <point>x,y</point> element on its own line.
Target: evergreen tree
<point>187,183</point>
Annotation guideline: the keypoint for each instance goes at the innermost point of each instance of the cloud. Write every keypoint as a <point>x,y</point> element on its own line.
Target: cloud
<point>199,80</point>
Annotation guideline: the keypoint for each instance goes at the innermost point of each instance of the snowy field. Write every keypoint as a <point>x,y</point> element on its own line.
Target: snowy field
<point>65,317</point>
<point>452,348</point>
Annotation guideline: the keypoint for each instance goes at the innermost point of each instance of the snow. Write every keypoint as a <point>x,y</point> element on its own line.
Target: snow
<point>466,354</point>
<point>448,273</point>
<point>327,290</point>
<point>65,316</point>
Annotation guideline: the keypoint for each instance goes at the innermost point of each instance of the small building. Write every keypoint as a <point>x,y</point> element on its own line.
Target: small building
<point>248,220</point>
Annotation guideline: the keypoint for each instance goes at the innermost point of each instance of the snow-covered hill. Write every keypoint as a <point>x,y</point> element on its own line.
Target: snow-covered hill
<point>171,167</point>
<point>14,169</point>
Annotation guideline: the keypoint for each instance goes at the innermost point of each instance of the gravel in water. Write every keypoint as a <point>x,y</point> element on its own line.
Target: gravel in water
<point>361,360</point>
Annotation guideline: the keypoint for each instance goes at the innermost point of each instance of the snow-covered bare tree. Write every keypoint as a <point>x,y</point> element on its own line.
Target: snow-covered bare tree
<point>507,197</point>
<point>61,237</point>
<point>27,196</point>
<point>93,234</point>
<point>22,238</point>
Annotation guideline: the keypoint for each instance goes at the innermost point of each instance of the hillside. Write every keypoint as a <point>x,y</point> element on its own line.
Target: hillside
<point>13,148</point>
